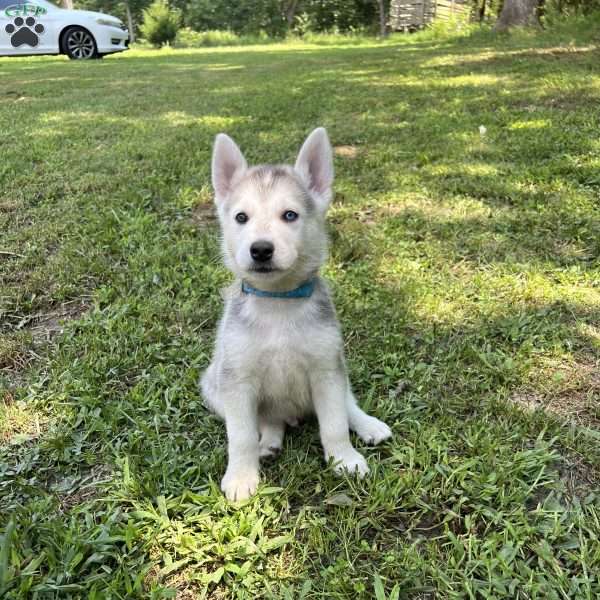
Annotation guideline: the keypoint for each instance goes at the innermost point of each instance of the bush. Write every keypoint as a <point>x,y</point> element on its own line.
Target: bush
<point>336,16</point>
<point>457,25</point>
<point>188,38</point>
<point>161,24</point>
<point>243,17</point>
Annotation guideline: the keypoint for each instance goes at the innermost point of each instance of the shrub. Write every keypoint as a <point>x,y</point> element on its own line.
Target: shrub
<point>160,24</point>
<point>336,16</point>
<point>244,17</point>
<point>188,38</point>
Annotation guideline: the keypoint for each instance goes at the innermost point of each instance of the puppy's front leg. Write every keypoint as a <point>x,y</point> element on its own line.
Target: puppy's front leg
<point>241,419</point>
<point>329,397</point>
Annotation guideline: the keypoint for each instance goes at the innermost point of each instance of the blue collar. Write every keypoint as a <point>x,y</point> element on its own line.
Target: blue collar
<point>303,291</point>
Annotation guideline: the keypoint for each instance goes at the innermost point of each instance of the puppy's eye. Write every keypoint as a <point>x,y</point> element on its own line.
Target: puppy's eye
<point>290,215</point>
<point>241,218</point>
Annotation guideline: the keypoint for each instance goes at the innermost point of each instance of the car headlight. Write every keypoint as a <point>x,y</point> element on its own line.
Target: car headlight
<point>109,23</point>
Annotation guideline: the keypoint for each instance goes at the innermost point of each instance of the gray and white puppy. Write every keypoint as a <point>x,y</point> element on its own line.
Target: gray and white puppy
<point>279,351</point>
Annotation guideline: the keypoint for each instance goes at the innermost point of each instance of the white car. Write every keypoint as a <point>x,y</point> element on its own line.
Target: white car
<point>40,27</point>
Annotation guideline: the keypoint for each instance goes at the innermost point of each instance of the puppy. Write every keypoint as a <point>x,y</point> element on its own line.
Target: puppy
<point>279,352</point>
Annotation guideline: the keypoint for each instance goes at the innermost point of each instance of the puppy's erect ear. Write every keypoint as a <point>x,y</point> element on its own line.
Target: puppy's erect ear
<point>315,165</point>
<point>228,165</point>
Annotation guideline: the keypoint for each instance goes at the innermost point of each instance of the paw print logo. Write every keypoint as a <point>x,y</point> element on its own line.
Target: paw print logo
<point>24,32</point>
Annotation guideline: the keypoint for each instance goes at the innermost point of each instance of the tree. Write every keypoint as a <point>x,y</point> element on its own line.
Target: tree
<point>130,25</point>
<point>288,7</point>
<point>517,13</point>
<point>129,11</point>
<point>339,16</point>
<point>161,24</point>
<point>383,30</point>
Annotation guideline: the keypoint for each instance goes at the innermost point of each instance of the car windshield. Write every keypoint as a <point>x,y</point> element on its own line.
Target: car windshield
<point>45,3</point>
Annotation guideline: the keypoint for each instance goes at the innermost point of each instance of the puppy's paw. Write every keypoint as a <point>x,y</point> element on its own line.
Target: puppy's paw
<point>271,439</point>
<point>373,431</point>
<point>239,485</point>
<point>350,461</point>
<point>269,451</point>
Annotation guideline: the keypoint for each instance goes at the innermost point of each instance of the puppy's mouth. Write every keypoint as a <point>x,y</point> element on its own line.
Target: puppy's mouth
<point>263,269</point>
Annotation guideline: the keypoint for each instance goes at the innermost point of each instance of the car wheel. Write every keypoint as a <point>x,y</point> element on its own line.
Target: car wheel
<point>79,44</point>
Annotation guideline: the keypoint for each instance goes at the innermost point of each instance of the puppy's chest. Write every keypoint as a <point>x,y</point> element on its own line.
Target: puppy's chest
<point>288,344</point>
<point>286,339</point>
<point>283,372</point>
<point>279,346</point>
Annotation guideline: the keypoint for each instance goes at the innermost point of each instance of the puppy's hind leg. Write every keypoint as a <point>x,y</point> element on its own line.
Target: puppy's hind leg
<point>328,390</point>
<point>271,432</point>
<point>369,429</point>
<point>208,386</point>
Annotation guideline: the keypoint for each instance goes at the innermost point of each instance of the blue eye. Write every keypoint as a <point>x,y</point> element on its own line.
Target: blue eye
<point>290,215</point>
<point>241,218</point>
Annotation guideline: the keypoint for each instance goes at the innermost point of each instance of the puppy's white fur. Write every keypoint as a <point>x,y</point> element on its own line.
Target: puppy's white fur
<point>279,359</point>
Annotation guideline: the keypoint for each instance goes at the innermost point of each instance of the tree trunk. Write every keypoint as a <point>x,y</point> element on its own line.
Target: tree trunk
<point>482,12</point>
<point>130,25</point>
<point>68,4</point>
<point>517,13</point>
<point>290,12</point>
<point>383,30</point>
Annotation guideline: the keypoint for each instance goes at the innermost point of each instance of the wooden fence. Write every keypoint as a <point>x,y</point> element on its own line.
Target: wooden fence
<point>406,15</point>
<point>447,9</point>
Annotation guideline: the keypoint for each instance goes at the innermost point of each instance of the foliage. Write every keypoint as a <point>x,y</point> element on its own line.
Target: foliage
<point>465,267</point>
<point>553,10</point>
<point>336,15</point>
<point>457,26</point>
<point>485,10</point>
<point>188,38</point>
<point>244,17</point>
<point>116,8</point>
<point>160,24</point>
<point>587,22</point>
<point>253,17</point>
<point>270,17</point>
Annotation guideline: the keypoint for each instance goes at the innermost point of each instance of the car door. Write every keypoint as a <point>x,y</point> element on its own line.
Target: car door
<point>46,21</point>
<point>6,23</point>
<point>29,27</point>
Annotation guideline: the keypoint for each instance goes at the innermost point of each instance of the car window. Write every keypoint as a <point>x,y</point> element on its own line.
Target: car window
<point>6,3</point>
<point>44,3</point>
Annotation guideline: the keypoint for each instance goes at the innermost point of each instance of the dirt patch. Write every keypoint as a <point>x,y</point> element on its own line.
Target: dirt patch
<point>48,324</point>
<point>183,582</point>
<point>346,151</point>
<point>7,206</point>
<point>579,477</point>
<point>27,334</point>
<point>19,423</point>
<point>204,215</point>
<point>569,391</point>
<point>77,490</point>
<point>558,101</point>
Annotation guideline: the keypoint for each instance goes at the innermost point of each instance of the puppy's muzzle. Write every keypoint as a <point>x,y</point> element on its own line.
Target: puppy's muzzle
<point>262,251</point>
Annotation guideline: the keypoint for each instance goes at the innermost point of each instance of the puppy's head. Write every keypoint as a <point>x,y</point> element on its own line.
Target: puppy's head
<point>273,216</point>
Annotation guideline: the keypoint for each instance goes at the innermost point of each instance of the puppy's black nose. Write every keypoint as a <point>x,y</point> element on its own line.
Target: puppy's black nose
<point>262,251</point>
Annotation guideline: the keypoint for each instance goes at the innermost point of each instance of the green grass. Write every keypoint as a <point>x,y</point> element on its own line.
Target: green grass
<point>466,273</point>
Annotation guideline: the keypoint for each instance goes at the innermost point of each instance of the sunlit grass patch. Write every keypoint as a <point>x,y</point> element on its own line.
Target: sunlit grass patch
<point>18,422</point>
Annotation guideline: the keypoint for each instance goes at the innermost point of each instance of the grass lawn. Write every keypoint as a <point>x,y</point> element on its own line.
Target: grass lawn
<point>465,266</point>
